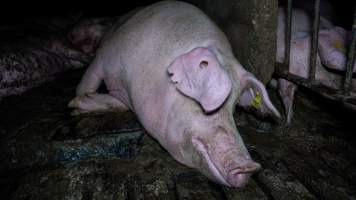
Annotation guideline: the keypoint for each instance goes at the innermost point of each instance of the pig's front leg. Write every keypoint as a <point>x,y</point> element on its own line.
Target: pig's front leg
<point>287,90</point>
<point>94,102</point>
<point>88,100</point>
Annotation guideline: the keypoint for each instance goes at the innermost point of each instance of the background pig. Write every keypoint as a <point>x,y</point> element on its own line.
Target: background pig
<point>87,34</point>
<point>300,54</point>
<point>333,48</point>
<point>34,52</point>
<point>174,68</point>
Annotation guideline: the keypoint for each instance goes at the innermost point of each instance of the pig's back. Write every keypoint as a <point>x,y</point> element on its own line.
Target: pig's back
<point>163,30</point>
<point>138,53</point>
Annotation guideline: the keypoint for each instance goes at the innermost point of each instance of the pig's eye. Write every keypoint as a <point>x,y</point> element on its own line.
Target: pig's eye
<point>203,64</point>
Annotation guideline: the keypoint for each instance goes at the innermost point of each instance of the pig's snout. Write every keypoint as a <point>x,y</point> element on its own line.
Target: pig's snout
<point>226,166</point>
<point>239,176</point>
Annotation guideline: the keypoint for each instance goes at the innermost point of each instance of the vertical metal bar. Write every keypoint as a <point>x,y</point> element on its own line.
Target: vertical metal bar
<point>350,58</point>
<point>288,33</point>
<point>314,42</point>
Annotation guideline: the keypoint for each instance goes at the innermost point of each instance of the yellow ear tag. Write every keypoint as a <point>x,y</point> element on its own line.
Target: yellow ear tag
<point>338,45</point>
<point>256,101</point>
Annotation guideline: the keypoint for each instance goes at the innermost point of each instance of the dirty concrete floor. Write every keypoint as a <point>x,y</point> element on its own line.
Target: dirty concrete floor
<point>47,154</point>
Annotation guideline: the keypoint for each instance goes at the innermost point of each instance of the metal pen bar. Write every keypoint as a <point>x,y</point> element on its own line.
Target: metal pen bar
<point>334,94</point>
<point>288,33</point>
<point>350,58</point>
<point>314,42</point>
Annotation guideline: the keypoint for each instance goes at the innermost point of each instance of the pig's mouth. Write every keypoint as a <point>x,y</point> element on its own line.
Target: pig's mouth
<point>237,177</point>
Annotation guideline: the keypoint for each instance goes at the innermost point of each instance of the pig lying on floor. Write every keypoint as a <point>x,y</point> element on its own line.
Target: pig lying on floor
<point>172,66</point>
<point>331,53</point>
<point>34,52</point>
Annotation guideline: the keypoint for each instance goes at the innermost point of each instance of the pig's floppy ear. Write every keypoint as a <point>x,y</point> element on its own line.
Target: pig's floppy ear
<point>254,96</point>
<point>198,74</point>
<point>332,47</point>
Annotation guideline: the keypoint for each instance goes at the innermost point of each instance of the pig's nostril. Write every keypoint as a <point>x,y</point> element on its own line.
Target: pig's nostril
<point>253,167</point>
<point>246,169</point>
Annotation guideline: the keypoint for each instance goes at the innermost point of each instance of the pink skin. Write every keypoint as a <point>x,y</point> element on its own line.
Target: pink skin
<point>174,68</point>
<point>333,48</point>
<point>199,76</point>
<point>300,55</point>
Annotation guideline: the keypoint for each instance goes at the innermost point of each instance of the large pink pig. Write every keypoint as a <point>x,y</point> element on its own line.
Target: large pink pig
<point>331,53</point>
<point>173,67</point>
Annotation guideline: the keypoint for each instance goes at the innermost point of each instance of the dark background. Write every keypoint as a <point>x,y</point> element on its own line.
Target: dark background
<point>14,11</point>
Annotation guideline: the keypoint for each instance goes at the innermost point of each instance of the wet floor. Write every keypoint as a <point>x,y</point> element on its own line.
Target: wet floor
<point>47,154</point>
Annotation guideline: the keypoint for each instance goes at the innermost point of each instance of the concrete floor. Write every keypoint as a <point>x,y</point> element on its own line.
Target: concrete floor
<point>47,154</point>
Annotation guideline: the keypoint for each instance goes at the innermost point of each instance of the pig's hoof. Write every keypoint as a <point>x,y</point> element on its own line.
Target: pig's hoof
<point>73,103</point>
<point>85,104</point>
<point>76,103</point>
<point>77,112</point>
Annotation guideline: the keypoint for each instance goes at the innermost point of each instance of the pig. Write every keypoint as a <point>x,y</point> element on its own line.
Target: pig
<point>334,40</point>
<point>87,34</point>
<point>300,54</point>
<point>32,61</point>
<point>34,52</point>
<point>174,68</point>
<point>333,48</point>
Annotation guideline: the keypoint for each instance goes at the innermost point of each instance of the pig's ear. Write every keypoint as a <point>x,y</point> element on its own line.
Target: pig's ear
<point>198,74</point>
<point>254,96</point>
<point>332,47</point>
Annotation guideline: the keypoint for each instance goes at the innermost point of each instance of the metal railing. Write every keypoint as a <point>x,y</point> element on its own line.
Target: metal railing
<point>282,69</point>
<point>350,58</point>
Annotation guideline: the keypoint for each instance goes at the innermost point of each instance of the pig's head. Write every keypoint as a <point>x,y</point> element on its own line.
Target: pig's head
<point>206,137</point>
<point>87,34</point>
<point>333,44</point>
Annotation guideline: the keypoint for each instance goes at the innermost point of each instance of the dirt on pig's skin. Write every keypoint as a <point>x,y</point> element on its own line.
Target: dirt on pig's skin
<point>312,158</point>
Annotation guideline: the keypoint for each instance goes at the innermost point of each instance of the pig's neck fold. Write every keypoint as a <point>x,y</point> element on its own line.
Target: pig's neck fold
<point>157,123</point>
